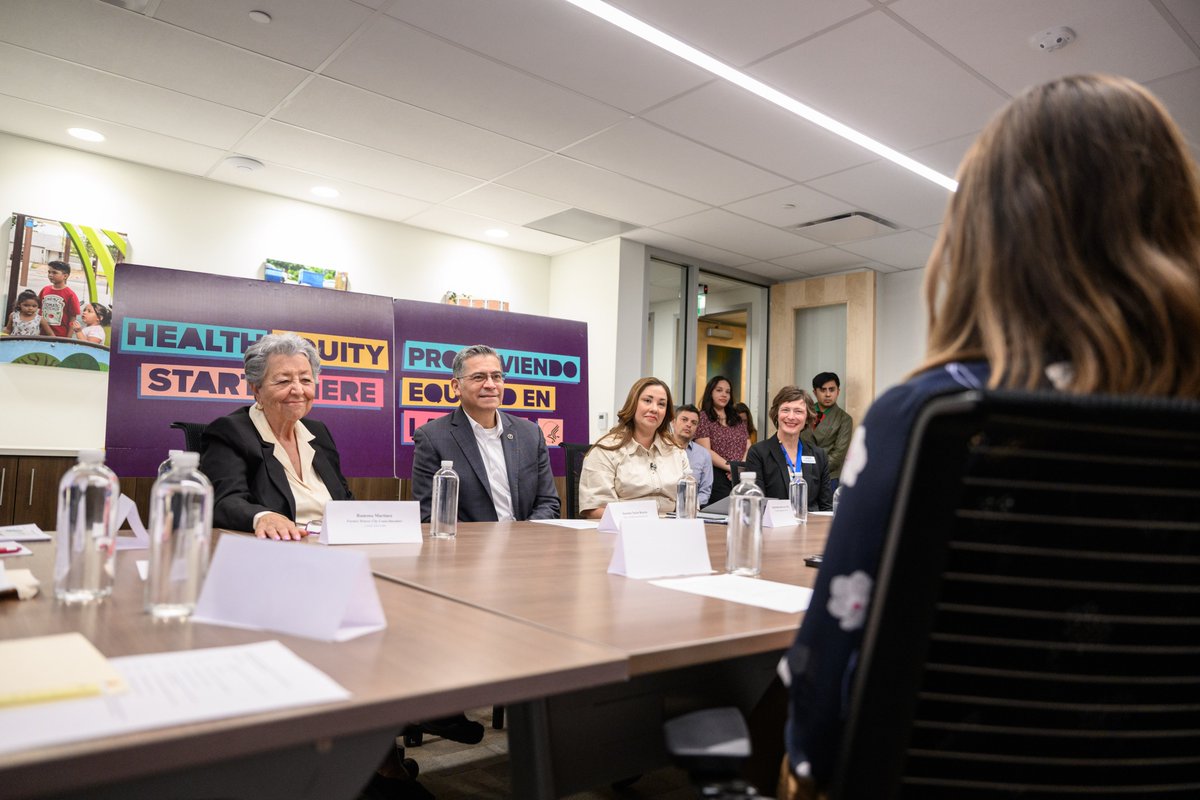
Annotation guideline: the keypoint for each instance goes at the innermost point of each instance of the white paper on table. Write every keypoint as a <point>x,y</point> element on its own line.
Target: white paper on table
<point>371,522</point>
<point>29,532</point>
<point>656,548</point>
<point>822,513</point>
<point>127,511</point>
<point>615,514</point>
<point>778,514</point>
<point>290,587</point>
<point>749,591</point>
<point>22,550</point>
<point>173,689</point>
<point>577,524</point>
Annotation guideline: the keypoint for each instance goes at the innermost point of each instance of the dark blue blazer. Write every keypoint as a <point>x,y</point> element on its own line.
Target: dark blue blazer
<point>450,438</point>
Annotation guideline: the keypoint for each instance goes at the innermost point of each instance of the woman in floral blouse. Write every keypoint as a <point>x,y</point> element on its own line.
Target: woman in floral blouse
<point>1069,258</point>
<point>723,431</point>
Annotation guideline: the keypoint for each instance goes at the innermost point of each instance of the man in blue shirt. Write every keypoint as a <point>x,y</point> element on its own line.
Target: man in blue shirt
<point>687,420</point>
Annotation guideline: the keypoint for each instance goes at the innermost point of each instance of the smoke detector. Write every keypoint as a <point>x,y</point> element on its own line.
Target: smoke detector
<point>244,164</point>
<point>1052,39</point>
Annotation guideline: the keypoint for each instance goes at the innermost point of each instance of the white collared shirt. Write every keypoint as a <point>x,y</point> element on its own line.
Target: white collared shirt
<point>491,449</point>
<point>310,492</point>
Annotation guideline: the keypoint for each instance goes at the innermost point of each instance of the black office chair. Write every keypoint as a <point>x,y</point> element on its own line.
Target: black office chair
<point>1035,628</point>
<point>192,433</point>
<point>735,470</point>
<point>574,454</point>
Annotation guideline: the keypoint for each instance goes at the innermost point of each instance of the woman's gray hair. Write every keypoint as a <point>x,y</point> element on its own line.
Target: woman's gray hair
<point>460,360</point>
<point>277,344</point>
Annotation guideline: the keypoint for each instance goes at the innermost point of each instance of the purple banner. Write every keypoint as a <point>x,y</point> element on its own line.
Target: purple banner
<point>176,355</point>
<point>544,360</point>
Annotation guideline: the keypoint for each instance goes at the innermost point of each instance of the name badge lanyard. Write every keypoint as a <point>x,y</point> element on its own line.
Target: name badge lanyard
<point>794,474</point>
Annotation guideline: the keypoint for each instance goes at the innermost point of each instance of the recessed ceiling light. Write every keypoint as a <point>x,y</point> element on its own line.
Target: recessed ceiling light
<point>722,70</point>
<point>86,134</point>
<point>497,233</point>
<point>244,164</point>
<point>261,17</point>
<point>325,191</point>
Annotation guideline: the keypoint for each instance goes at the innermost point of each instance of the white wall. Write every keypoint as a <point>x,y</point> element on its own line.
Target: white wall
<point>184,222</point>
<point>900,327</point>
<point>603,285</point>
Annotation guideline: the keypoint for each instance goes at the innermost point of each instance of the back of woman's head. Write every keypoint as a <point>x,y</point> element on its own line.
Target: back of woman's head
<point>1074,237</point>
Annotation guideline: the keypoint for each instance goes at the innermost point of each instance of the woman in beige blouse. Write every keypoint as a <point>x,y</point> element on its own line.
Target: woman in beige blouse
<point>639,458</point>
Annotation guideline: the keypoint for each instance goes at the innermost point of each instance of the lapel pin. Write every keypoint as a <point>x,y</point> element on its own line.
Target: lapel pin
<point>508,436</point>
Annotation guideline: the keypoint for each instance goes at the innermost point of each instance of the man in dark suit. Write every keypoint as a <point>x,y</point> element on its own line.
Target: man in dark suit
<point>502,463</point>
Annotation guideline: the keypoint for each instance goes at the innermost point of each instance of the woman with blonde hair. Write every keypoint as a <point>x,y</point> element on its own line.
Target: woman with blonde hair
<point>639,459</point>
<point>1068,260</point>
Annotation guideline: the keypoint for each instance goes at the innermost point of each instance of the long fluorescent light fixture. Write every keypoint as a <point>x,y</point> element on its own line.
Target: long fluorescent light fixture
<point>706,62</point>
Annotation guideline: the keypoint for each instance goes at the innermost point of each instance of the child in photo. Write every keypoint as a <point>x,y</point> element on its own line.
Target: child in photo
<point>26,318</point>
<point>60,304</point>
<point>95,317</point>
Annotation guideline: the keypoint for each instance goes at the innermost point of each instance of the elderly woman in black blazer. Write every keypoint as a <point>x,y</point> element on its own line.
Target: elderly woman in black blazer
<point>272,470</point>
<point>775,460</point>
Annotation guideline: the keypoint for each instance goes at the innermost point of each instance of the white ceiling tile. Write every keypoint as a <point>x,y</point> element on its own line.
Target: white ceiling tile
<point>297,184</point>
<point>503,203</point>
<point>122,42</point>
<point>395,60</point>
<point>597,190</point>
<point>686,247</point>
<point>641,150</point>
<point>946,156</point>
<point>875,75</point>
<point>35,121</point>
<point>71,87</point>
<point>739,33</point>
<point>356,115</point>
<point>736,122</point>
<point>888,191</point>
<point>789,207</point>
<point>1187,14</point>
<point>761,242</point>
<point>1117,36</point>
<point>293,147</point>
<point>301,32</point>
<point>828,259</point>
<point>906,250</point>
<point>773,271</point>
<point>561,43</point>
<point>470,226</point>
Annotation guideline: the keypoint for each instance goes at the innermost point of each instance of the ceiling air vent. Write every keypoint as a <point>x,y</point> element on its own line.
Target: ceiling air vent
<point>848,227</point>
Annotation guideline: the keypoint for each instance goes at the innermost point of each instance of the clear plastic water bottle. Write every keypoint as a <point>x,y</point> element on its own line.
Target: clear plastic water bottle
<point>798,495</point>
<point>181,506</point>
<point>165,466</point>
<point>444,519</point>
<point>87,530</point>
<point>685,496</point>
<point>743,554</point>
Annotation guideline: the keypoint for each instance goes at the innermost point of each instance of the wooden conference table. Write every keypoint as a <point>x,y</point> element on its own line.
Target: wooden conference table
<point>684,650</point>
<point>436,657</point>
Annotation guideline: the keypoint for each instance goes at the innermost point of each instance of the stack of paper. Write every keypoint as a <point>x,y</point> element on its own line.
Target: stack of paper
<point>45,668</point>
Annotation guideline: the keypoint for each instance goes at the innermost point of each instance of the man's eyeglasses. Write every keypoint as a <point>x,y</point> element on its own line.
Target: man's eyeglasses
<point>479,378</point>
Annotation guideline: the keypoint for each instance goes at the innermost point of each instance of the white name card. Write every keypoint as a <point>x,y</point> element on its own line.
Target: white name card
<point>371,522</point>
<point>660,548</point>
<point>615,514</point>
<point>291,588</point>
<point>778,514</point>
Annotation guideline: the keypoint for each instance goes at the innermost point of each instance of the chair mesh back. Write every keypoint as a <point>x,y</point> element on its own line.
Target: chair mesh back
<point>1042,582</point>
